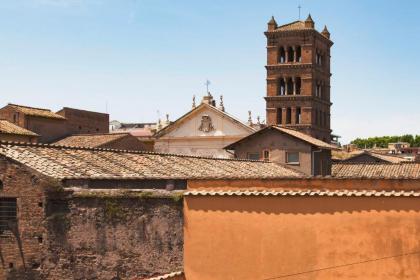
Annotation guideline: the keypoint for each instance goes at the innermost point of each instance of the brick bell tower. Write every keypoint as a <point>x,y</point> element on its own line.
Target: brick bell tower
<point>298,77</point>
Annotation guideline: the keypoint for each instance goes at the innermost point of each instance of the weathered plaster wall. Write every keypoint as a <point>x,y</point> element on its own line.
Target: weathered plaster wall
<point>301,238</point>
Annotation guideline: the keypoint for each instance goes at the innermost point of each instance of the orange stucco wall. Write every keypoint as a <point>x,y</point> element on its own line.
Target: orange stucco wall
<point>259,238</point>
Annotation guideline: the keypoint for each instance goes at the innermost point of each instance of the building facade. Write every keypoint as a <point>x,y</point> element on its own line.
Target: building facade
<point>287,147</point>
<point>203,131</point>
<point>117,141</point>
<point>15,133</point>
<point>298,77</point>
<point>83,121</point>
<point>51,126</point>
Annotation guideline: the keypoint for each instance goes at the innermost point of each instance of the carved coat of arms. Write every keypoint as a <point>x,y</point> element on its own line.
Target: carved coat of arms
<point>206,124</point>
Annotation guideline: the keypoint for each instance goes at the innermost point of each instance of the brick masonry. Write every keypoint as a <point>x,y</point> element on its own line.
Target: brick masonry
<point>61,236</point>
<point>315,109</point>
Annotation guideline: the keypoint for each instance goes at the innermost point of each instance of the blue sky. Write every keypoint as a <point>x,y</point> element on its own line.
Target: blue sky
<point>142,57</point>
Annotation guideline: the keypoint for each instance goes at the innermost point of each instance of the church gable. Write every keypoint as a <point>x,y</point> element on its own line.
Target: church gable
<point>207,121</point>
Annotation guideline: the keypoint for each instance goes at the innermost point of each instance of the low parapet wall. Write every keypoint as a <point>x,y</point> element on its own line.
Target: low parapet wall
<point>103,234</point>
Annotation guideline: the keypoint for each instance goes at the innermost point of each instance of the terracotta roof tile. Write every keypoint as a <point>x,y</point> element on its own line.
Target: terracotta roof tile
<point>90,140</point>
<point>346,193</point>
<point>37,112</point>
<point>73,163</point>
<point>404,170</point>
<point>10,128</point>
<point>296,25</point>
<point>305,137</point>
<point>291,132</point>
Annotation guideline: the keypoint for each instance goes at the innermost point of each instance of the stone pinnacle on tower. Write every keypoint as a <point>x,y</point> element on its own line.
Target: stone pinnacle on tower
<point>272,24</point>
<point>309,22</point>
<point>325,32</point>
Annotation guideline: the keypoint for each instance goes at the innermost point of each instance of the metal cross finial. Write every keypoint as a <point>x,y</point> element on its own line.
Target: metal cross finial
<point>299,7</point>
<point>207,85</point>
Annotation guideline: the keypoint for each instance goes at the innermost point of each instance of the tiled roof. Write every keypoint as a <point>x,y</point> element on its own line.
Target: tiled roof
<point>37,112</point>
<point>305,137</point>
<point>10,128</point>
<point>408,170</point>
<point>388,158</point>
<point>352,156</point>
<point>291,132</point>
<point>305,193</point>
<point>343,155</point>
<point>77,163</point>
<point>167,276</point>
<point>90,140</point>
<point>296,25</point>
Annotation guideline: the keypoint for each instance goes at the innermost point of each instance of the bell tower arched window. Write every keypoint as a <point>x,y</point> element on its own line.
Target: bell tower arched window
<point>281,55</point>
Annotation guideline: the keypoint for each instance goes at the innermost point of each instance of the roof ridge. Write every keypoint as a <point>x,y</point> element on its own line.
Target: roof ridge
<point>29,107</point>
<point>97,134</point>
<point>375,163</point>
<point>387,155</point>
<point>56,146</point>
<point>290,23</point>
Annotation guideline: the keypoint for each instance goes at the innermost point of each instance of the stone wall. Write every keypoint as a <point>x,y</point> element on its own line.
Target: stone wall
<point>60,234</point>
<point>102,237</point>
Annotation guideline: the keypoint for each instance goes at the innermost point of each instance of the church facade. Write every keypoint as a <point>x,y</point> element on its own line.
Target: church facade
<point>203,131</point>
<point>298,77</point>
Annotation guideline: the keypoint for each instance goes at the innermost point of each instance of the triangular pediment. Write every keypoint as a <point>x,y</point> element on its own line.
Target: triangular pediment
<point>206,121</point>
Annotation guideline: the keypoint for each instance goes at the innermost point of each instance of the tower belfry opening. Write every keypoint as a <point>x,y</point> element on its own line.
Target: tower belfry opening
<point>298,77</point>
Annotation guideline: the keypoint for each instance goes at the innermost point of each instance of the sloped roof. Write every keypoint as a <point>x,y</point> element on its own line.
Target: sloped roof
<point>91,140</point>
<point>169,128</point>
<point>36,112</point>
<point>296,25</point>
<point>62,162</point>
<point>305,137</point>
<point>382,157</point>
<point>291,132</point>
<point>407,170</point>
<point>10,128</point>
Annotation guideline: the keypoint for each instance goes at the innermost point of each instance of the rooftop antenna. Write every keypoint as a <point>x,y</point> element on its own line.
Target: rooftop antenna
<point>106,107</point>
<point>207,83</point>
<point>299,7</point>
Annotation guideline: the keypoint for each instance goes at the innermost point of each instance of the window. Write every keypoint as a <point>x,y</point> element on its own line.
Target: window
<point>281,55</point>
<point>8,213</point>
<point>266,154</point>
<point>298,115</point>
<point>279,116</point>
<point>289,86</point>
<point>291,55</point>
<point>292,157</point>
<point>298,54</point>
<point>298,85</point>
<point>289,116</point>
<point>282,87</point>
<point>253,156</point>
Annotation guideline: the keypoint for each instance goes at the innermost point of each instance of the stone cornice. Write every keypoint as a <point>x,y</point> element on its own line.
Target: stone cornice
<point>297,65</point>
<point>289,66</point>
<point>287,33</point>
<point>296,98</point>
